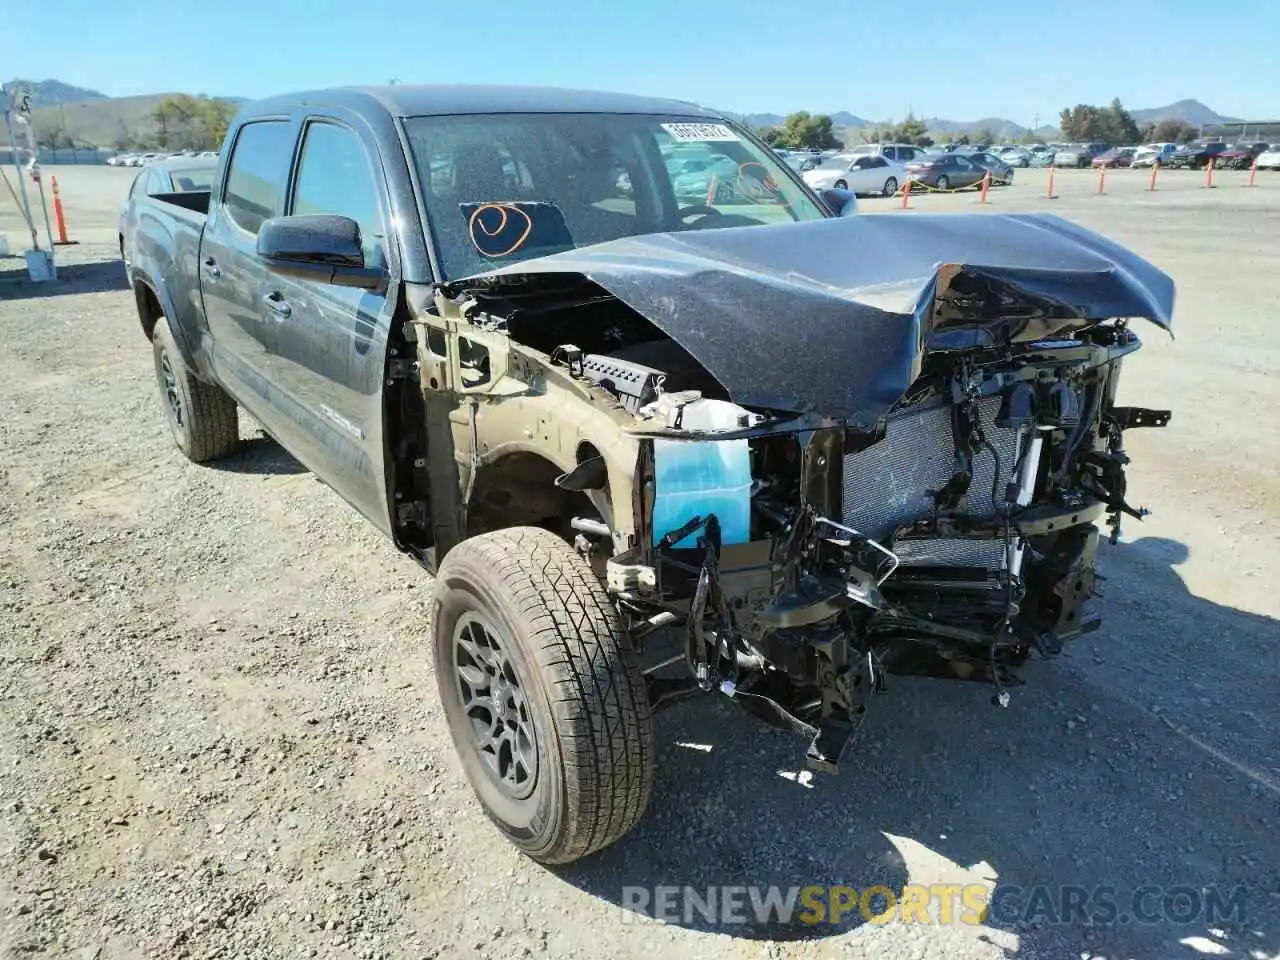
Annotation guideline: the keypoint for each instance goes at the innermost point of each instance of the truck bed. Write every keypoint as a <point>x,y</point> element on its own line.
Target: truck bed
<point>196,201</point>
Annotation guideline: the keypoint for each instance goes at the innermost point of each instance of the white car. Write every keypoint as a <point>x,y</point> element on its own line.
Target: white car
<point>1153,154</point>
<point>860,173</point>
<point>1269,159</point>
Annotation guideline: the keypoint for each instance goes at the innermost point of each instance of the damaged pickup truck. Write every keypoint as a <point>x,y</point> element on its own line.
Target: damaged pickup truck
<point>650,447</point>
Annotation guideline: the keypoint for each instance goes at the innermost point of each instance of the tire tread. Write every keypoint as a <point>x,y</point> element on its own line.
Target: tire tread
<point>597,693</point>
<point>212,416</point>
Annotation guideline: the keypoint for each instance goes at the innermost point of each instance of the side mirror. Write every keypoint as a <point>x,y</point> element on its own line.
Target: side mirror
<point>843,203</point>
<point>317,247</point>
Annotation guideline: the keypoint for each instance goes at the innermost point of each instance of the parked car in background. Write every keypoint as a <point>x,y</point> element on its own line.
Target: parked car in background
<point>802,162</point>
<point>900,152</point>
<point>1001,172</point>
<point>1116,157</point>
<point>1042,157</point>
<point>1269,159</point>
<point>1153,154</point>
<point>1079,154</point>
<point>947,172</point>
<point>1240,156</point>
<point>1195,156</point>
<point>860,174</point>
<point>711,181</point>
<point>1016,156</point>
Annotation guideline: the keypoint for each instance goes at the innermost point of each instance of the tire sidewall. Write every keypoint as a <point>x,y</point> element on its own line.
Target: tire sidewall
<point>163,347</point>
<point>531,823</point>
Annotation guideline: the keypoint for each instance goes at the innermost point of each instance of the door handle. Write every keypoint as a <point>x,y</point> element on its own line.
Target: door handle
<point>211,268</point>
<point>278,305</point>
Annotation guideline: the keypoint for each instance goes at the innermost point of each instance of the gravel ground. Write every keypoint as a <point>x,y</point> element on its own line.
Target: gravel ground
<point>219,735</point>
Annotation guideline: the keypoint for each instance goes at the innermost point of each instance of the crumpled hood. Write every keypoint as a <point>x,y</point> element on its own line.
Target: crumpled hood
<point>832,315</point>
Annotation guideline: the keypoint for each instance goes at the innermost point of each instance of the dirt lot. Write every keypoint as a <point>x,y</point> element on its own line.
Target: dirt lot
<point>218,725</point>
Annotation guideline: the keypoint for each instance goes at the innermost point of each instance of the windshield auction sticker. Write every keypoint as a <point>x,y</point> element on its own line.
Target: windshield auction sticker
<point>698,132</point>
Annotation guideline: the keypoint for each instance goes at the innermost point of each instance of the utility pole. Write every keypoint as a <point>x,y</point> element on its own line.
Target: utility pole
<point>1035,122</point>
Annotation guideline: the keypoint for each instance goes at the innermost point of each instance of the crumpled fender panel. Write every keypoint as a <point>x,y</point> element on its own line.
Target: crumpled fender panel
<point>833,315</point>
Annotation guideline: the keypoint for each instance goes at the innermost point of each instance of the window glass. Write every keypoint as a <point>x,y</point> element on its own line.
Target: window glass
<point>334,176</point>
<point>502,188</point>
<point>187,179</point>
<point>140,182</point>
<point>261,155</point>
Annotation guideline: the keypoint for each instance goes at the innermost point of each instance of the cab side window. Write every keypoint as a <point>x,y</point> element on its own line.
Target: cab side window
<point>335,177</point>
<point>258,163</point>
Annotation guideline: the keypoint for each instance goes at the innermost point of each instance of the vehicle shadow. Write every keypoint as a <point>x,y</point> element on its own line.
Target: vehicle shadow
<point>259,455</point>
<point>97,277</point>
<point>1077,785</point>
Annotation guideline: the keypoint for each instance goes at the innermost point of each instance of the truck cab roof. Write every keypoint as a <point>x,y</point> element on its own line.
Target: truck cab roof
<point>403,100</point>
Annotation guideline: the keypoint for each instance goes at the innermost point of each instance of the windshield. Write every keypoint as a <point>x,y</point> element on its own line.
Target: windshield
<point>500,188</point>
<point>834,163</point>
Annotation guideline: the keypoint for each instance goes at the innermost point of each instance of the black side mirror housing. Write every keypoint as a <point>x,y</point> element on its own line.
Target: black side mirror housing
<point>320,247</point>
<point>841,202</point>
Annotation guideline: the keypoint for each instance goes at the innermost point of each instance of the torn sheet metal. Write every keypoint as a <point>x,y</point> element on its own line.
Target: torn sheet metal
<point>833,315</point>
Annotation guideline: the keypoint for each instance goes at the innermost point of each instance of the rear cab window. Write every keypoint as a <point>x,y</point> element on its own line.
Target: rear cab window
<point>258,166</point>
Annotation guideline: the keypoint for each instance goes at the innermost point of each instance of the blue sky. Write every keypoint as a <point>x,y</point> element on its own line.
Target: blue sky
<point>874,58</point>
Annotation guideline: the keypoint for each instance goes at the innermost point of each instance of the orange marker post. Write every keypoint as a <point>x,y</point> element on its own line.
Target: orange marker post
<point>1102,179</point>
<point>1154,168</point>
<point>906,192</point>
<point>59,218</point>
<point>1253,173</point>
<point>986,185</point>
<point>1208,174</point>
<point>1049,194</point>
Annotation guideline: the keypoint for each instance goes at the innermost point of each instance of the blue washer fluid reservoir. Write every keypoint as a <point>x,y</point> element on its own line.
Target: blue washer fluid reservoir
<point>696,478</point>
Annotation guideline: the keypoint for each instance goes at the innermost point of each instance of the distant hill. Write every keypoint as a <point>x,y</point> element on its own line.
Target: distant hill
<point>841,118</point>
<point>100,121</point>
<point>1188,111</point>
<point>849,125</point>
<point>1000,128</point>
<point>48,93</point>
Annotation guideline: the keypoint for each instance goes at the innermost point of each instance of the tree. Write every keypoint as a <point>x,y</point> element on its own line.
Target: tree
<point>1112,124</point>
<point>1170,131</point>
<point>770,135</point>
<point>212,121</point>
<point>1124,129</point>
<point>807,131</point>
<point>186,122</point>
<point>50,135</point>
<point>984,135</point>
<point>913,131</point>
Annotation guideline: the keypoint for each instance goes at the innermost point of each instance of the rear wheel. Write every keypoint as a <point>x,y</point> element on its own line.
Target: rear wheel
<point>544,698</point>
<point>201,417</point>
<point>841,185</point>
<point>942,183</point>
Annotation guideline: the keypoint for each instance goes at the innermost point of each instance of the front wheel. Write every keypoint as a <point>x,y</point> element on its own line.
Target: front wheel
<point>942,183</point>
<point>890,187</point>
<point>202,418</point>
<point>545,701</point>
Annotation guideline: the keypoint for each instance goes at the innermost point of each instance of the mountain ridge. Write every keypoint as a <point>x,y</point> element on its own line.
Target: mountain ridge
<point>101,119</point>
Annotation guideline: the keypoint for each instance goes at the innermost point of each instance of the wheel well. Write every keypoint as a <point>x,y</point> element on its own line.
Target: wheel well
<point>519,490</point>
<point>149,311</point>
